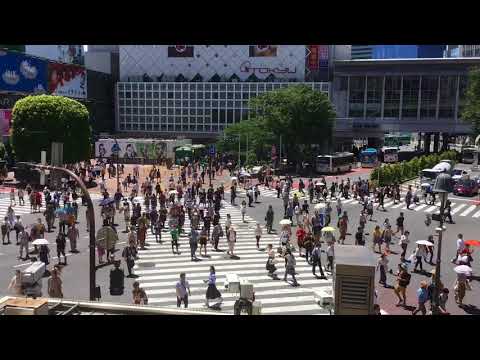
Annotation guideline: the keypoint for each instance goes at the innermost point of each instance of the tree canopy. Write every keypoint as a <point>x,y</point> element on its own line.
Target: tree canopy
<point>37,121</point>
<point>300,115</point>
<point>471,112</point>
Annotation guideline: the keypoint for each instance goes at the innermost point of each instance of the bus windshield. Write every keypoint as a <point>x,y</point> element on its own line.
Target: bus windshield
<point>390,151</point>
<point>429,174</point>
<point>323,160</point>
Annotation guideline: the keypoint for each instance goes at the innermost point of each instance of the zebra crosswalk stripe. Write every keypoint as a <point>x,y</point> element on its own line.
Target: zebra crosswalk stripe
<point>458,208</point>
<point>469,210</point>
<point>158,270</point>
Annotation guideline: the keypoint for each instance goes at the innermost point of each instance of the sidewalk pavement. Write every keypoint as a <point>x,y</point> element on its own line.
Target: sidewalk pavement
<point>111,184</point>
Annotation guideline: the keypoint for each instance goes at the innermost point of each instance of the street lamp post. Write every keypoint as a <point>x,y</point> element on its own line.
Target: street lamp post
<point>443,185</point>
<point>91,218</point>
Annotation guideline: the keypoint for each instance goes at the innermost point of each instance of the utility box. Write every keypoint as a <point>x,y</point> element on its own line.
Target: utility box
<point>26,306</point>
<point>354,280</point>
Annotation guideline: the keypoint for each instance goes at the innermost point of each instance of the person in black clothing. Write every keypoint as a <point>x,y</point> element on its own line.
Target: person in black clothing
<point>61,243</point>
<point>316,260</point>
<point>117,279</point>
<point>381,198</point>
<point>359,240</point>
<point>129,254</point>
<point>400,221</point>
<point>448,211</point>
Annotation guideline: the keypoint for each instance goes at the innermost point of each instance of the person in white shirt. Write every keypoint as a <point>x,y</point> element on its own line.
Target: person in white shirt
<point>403,244</point>
<point>330,256</point>
<point>243,210</point>
<point>258,234</point>
<point>460,244</point>
<point>298,214</point>
<point>420,253</point>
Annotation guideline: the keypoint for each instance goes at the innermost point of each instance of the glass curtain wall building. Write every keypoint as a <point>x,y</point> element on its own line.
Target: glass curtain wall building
<point>193,108</point>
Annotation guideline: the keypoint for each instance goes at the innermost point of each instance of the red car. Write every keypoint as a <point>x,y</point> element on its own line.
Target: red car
<point>466,187</point>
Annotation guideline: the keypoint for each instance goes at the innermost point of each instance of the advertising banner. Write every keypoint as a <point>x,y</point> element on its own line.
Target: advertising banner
<point>67,80</point>
<point>6,121</point>
<point>22,73</point>
<point>312,58</point>
<point>182,51</point>
<point>262,50</point>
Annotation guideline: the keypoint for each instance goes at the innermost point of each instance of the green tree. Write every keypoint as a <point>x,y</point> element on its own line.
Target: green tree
<point>302,116</point>
<point>471,111</point>
<point>38,121</point>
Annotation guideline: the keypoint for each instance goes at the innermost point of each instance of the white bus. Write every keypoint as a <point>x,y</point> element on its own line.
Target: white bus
<point>335,163</point>
<point>468,154</point>
<point>390,154</point>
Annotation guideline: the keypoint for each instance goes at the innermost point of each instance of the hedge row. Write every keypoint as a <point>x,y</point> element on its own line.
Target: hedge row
<point>405,170</point>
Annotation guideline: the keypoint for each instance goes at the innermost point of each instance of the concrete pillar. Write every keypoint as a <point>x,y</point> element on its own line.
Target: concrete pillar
<point>419,143</point>
<point>445,141</point>
<point>427,142</point>
<point>436,142</point>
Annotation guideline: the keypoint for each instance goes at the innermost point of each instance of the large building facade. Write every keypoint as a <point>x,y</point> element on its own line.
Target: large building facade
<point>462,51</point>
<point>375,97</point>
<point>197,90</point>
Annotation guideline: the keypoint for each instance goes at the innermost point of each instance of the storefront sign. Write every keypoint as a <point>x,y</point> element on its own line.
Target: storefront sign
<point>248,68</point>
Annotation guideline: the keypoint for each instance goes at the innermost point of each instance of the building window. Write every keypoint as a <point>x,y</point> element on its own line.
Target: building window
<point>462,89</point>
<point>393,86</point>
<point>410,96</point>
<point>428,106</point>
<point>357,96</point>
<point>374,96</point>
<point>448,93</point>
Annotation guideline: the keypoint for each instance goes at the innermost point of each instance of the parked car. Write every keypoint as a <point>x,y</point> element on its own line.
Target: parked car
<point>457,174</point>
<point>466,187</point>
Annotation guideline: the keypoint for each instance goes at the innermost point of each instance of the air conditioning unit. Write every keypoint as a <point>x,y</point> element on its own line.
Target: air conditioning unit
<point>246,290</point>
<point>33,273</point>
<point>354,280</point>
<point>232,283</point>
<point>324,297</point>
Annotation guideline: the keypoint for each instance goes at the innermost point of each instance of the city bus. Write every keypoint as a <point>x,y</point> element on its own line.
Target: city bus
<point>468,155</point>
<point>335,163</point>
<point>397,140</point>
<point>369,158</point>
<point>390,154</point>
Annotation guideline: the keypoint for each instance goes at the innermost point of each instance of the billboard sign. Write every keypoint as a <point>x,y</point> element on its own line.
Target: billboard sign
<point>22,73</point>
<point>262,50</point>
<point>180,51</point>
<point>6,121</point>
<point>67,80</point>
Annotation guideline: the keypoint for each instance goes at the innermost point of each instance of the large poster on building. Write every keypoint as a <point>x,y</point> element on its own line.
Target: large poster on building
<point>262,50</point>
<point>182,51</point>
<point>22,73</point>
<point>67,80</point>
<point>6,121</point>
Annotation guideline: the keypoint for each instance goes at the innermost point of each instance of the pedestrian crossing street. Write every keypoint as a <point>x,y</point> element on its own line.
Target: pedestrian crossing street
<point>25,209</point>
<point>459,209</point>
<point>158,270</point>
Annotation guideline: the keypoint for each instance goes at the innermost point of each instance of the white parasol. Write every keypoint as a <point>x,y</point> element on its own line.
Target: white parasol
<point>424,242</point>
<point>285,222</point>
<point>463,269</point>
<point>234,178</point>
<point>40,242</point>
<point>172,192</point>
<point>425,185</point>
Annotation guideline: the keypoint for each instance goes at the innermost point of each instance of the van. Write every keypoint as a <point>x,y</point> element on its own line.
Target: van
<point>430,175</point>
